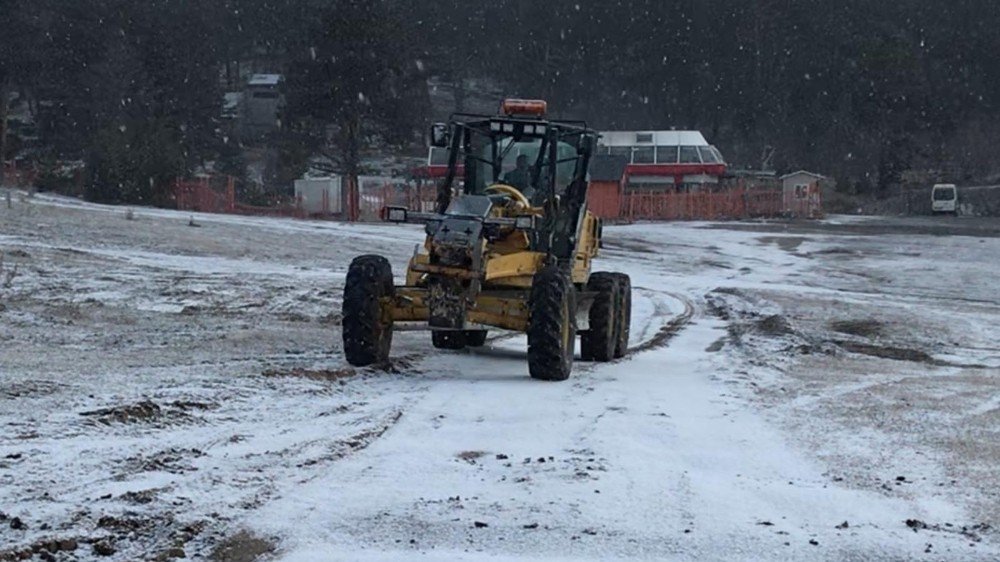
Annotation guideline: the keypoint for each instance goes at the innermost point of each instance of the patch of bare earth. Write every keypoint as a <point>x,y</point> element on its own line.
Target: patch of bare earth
<point>242,547</point>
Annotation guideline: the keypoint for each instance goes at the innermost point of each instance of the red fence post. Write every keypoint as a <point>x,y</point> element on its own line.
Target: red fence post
<point>231,194</point>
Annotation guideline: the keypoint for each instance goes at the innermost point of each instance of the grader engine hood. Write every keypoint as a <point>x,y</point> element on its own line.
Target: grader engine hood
<point>457,241</point>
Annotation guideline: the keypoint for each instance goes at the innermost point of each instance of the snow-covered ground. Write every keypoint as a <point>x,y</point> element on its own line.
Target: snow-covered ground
<point>820,391</point>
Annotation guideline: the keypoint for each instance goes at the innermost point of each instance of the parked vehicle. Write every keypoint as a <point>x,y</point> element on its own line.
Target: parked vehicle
<point>944,198</point>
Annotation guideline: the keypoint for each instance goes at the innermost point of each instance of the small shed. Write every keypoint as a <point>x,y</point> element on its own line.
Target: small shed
<point>801,178</point>
<point>607,184</point>
<point>802,192</point>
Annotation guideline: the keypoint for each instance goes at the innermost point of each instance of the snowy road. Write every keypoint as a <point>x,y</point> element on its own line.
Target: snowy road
<point>166,387</point>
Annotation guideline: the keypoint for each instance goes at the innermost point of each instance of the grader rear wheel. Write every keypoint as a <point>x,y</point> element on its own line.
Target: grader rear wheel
<point>552,325</point>
<point>624,320</point>
<point>599,342</point>
<point>367,324</point>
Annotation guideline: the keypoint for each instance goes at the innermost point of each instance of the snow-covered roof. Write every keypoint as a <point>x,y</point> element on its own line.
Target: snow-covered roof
<point>652,138</point>
<point>803,172</point>
<point>265,80</point>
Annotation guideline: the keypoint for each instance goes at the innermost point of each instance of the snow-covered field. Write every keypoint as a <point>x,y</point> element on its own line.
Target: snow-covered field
<point>822,391</point>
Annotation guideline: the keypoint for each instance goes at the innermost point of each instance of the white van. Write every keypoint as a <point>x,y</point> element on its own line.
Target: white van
<point>944,198</point>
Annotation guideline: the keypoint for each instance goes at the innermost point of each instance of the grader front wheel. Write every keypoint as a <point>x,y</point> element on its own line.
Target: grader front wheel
<point>552,326</point>
<point>367,332</point>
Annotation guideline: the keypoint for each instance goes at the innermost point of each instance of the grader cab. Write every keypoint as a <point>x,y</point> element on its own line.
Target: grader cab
<point>509,246</point>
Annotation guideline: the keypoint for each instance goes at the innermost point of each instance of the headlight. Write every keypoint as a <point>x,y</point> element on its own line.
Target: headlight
<point>526,222</point>
<point>395,214</point>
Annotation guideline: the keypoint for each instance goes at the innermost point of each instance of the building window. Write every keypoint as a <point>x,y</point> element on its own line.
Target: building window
<point>666,155</point>
<point>625,151</point>
<point>643,137</point>
<point>689,155</point>
<point>718,155</point>
<point>439,156</point>
<point>707,156</point>
<point>642,155</point>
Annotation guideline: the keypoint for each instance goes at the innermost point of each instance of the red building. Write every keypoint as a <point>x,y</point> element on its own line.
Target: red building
<point>665,160</point>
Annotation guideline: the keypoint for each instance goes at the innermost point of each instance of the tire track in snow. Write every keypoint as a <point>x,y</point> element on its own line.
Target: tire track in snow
<point>667,330</point>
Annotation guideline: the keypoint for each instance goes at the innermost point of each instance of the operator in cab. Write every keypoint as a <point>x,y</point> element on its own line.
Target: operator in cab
<point>520,176</point>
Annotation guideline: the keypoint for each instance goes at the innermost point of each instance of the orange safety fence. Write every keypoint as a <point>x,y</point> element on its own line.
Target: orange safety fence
<point>216,194</point>
<point>19,176</point>
<point>373,200</point>
<point>290,210</point>
<point>212,194</point>
<point>719,205</point>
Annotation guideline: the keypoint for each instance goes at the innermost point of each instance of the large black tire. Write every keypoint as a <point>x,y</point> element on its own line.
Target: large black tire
<point>552,325</point>
<point>475,338</point>
<point>599,341</point>
<point>367,292</point>
<point>448,339</point>
<point>624,321</point>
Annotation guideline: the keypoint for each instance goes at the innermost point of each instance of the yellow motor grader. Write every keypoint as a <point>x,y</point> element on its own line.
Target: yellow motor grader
<point>509,246</point>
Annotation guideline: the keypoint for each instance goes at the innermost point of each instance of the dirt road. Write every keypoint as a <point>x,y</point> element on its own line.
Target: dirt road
<point>818,391</point>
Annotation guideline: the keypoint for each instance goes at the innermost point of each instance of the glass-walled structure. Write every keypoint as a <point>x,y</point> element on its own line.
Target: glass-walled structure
<point>665,160</point>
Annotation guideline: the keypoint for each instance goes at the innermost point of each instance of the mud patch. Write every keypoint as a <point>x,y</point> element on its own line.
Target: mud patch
<point>45,549</point>
<point>774,325</point>
<point>127,523</point>
<point>890,352</point>
<point>331,319</point>
<point>361,440</point>
<point>29,389</point>
<point>868,328</point>
<point>717,306</point>
<point>325,375</point>
<point>836,251</point>
<point>716,264</point>
<point>716,346</point>
<point>173,461</point>
<point>789,244</point>
<point>189,405</point>
<point>629,245</point>
<point>972,532</point>
<point>145,411</point>
<point>293,317</point>
<point>470,456</point>
<point>902,354</point>
<point>242,547</point>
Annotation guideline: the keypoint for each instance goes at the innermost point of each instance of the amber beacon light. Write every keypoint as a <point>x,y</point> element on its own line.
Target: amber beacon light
<point>523,107</point>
